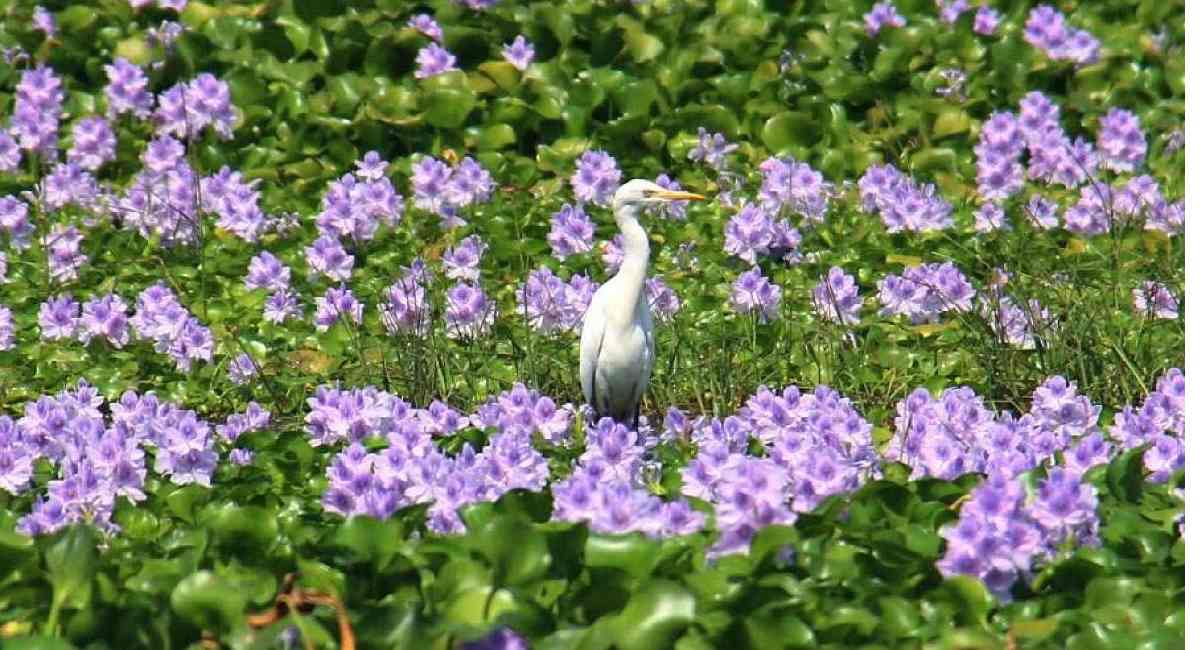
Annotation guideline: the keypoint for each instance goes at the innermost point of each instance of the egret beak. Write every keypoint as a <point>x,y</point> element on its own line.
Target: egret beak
<point>673,195</point>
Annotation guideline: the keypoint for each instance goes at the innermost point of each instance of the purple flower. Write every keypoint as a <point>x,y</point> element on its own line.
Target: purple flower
<point>519,53</point>
<point>160,317</point>
<point>43,21</point>
<point>1091,215</point>
<point>105,317</point>
<point>425,24</point>
<point>186,109</point>
<point>902,204</point>
<point>93,143</point>
<point>950,10</point>
<point>502,638</point>
<point>241,457</point>
<point>793,186</point>
<point>923,292</point>
<point>596,177</point>
<point>1047,30</point>
<point>7,336</point>
<point>336,303</point>
<point>883,14</point>
<point>753,293</point>
<point>748,233</point>
<point>986,21</point>
<point>1042,213</point>
<point>14,221</point>
<point>551,305</point>
<point>1013,324</point>
<point>10,153</point>
<point>327,257</point>
<point>469,312</point>
<point>242,369</point>
<point>406,307</point>
<point>433,60</point>
<point>1121,142</point>
<point>462,262</point>
<point>165,35</point>
<point>267,272</point>
<point>1154,300</point>
<point>571,232</point>
<point>38,105</point>
<point>711,149</point>
<point>664,303</point>
<point>470,184</point>
<point>990,218</point>
<point>371,167</point>
<point>281,306</point>
<point>65,258</point>
<point>430,177</point>
<point>836,298</point>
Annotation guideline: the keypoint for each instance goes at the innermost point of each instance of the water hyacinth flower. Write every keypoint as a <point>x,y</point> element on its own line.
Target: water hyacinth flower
<point>748,233</point>
<point>612,252</point>
<point>338,302</point>
<point>950,10</point>
<point>469,312</point>
<point>989,218</point>
<point>1042,212</point>
<point>664,303</point>
<point>571,232</point>
<point>551,305</point>
<point>159,317</point>
<point>836,299</point>
<point>327,257</point>
<point>267,272</point>
<point>7,329</point>
<point>596,178</point>
<point>58,318</point>
<point>1014,324</point>
<point>1121,141</point>
<point>753,293</point>
<point>883,14</point>
<point>10,153</point>
<point>406,307</point>
<point>64,255</point>
<point>425,24</point>
<point>795,187</point>
<point>987,20</point>
<point>519,53</point>
<point>127,90</point>
<point>93,143</point>
<point>433,60</point>
<point>924,292</point>
<point>104,317</point>
<point>462,262</point>
<point>43,21</point>
<point>711,149</point>
<point>281,306</point>
<point>1155,300</point>
<point>439,189</point>
<point>1047,30</point>
<point>242,369</point>
<point>902,204</point>
<point>165,35</point>
<point>38,105</point>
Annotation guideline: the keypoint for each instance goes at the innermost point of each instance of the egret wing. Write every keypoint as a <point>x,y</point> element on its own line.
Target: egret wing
<point>590,343</point>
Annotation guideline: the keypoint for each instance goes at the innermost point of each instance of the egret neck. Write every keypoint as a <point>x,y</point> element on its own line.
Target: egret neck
<point>631,277</point>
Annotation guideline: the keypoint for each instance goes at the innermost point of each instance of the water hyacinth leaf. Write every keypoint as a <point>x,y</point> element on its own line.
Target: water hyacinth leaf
<point>656,614</point>
<point>447,108</point>
<point>775,631</point>
<point>788,132</point>
<point>38,643</point>
<point>631,552</point>
<point>1125,475</point>
<point>208,601</point>
<point>71,564</point>
<point>518,553</point>
<point>971,599</point>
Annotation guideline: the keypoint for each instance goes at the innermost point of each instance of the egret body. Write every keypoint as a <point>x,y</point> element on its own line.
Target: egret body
<point>616,351</point>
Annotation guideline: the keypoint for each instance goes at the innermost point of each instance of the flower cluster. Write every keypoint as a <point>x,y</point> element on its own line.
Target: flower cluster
<point>596,178</point>
<point>406,308</point>
<point>38,105</point>
<point>469,312</point>
<point>1121,141</point>
<point>711,149</point>
<point>338,303</point>
<point>836,299</point>
<point>236,204</point>
<point>519,53</point>
<point>97,460</point>
<point>789,186</point>
<point>998,170</point>
<point>883,14</point>
<point>433,60</point>
<point>357,204</point>
<point>186,109</point>
<point>462,262</point>
<point>527,412</point>
<point>753,293</point>
<point>1002,533</point>
<point>571,232</point>
<point>1015,324</point>
<point>1047,30</point>
<point>902,203</point>
<point>1158,423</point>
<point>552,305</point>
<point>924,292</point>
<point>753,232</point>
<point>444,191</point>
<point>93,143</point>
<point>1155,300</point>
<point>159,317</point>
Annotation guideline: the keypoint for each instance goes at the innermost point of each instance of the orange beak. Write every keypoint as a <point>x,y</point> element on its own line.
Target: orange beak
<point>673,195</point>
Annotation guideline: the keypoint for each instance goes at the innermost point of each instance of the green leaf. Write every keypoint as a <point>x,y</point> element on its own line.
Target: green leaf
<point>1125,475</point>
<point>208,601</point>
<point>657,613</point>
<point>517,551</point>
<point>789,132</point>
<point>446,107</point>
<point>71,563</point>
<point>631,552</point>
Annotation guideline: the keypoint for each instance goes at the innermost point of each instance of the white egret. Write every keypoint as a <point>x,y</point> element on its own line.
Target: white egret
<point>616,350</point>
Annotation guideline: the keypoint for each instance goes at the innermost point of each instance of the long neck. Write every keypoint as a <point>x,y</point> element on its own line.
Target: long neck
<point>632,275</point>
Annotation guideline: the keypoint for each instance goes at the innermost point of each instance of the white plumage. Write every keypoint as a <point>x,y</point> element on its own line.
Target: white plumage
<point>616,351</point>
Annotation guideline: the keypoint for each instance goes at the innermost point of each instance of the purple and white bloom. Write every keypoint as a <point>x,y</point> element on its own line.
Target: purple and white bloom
<point>519,53</point>
<point>425,24</point>
<point>596,178</point>
<point>793,187</point>
<point>664,303</point>
<point>551,305</point>
<point>469,312</point>
<point>93,143</point>
<point>950,10</point>
<point>836,298</point>
<point>902,204</point>
<point>924,292</point>
<point>165,35</point>
<point>883,14</point>
<point>43,21</point>
<point>990,218</point>
<point>749,233</point>
<point>571,232</point>
<point>1155,300</point>
<point>462,262</point>
<point>612,253</point>
<point>327,257</point>
<point>987,20</point>
<point>433,60</point>
<point>281,306</point>
<point>1042,212</point>
<point>242,369</point>
<point>65,257</point>
<point>267,272</point>
<point>36,111</point>
<point>104,317</point>
<point>7,333</point>
<point>1121,142</point>
<point>711,149</point>
<point>371,167</point>
<point>753,293</point>
<point>337,302</point>
<point>1047,30</point>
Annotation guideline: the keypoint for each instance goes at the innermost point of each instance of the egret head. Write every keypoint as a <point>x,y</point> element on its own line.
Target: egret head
<point>640,193</point>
